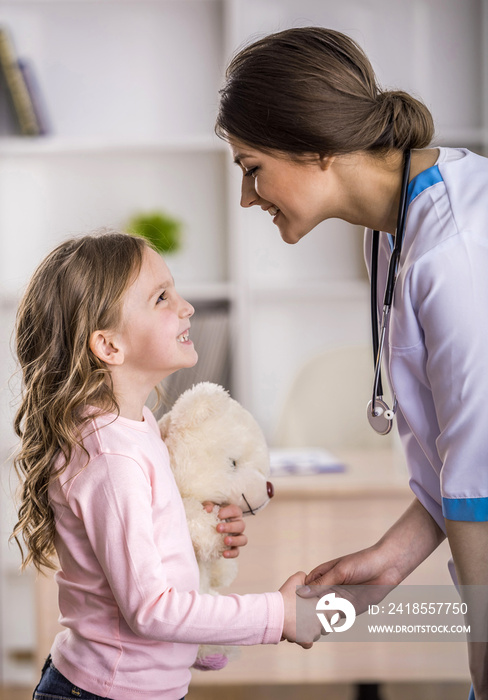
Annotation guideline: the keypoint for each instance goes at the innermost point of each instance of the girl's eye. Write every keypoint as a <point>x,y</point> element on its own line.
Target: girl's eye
<point>161,297</point>
<point>251,172</point>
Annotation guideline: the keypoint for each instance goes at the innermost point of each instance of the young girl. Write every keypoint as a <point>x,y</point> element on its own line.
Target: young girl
<point>100,325</point>
<point>317,138</point>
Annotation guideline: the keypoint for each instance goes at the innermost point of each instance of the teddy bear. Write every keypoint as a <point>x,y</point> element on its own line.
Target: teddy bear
<point>218,453</point>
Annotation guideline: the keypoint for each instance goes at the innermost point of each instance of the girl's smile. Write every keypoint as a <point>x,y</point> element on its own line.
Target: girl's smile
<point>185,337</point>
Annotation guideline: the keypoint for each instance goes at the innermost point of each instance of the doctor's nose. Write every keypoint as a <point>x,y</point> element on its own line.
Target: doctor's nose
<point>249,196</point>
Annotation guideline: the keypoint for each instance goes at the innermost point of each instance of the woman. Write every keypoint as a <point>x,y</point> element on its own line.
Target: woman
<point>317,138</point>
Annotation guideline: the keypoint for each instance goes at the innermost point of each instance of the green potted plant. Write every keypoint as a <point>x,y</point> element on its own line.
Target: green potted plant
<point>163,231</point>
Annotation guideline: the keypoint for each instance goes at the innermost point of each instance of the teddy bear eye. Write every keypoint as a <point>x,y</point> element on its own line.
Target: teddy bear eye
<point>234,463</point>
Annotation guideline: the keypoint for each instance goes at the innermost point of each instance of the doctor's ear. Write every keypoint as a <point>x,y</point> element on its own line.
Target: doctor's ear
<point>104,345</point>
<point>326,161</point>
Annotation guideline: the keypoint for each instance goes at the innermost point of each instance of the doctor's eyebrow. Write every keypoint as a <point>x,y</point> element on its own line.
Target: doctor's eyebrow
<point>240,156</point>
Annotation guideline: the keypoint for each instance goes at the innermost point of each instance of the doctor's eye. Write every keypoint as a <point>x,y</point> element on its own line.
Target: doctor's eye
<point>251,172</point>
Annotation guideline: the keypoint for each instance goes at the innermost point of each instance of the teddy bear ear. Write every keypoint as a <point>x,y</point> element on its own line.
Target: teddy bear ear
<point>196,405</point>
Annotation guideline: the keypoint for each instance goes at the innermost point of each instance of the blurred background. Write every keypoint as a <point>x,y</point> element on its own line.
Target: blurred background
<point>115,120</point>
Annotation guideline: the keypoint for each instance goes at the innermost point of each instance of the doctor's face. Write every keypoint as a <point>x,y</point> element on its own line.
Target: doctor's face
<point>296,194</point>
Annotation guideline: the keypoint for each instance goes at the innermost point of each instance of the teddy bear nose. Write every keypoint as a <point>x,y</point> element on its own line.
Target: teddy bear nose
<point>270,489</point>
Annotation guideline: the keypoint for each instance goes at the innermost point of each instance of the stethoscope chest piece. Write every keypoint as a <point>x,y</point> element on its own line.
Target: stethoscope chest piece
<point>380,417</point>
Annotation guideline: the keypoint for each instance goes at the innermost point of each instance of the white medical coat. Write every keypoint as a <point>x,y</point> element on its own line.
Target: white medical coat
<point>437,351</point>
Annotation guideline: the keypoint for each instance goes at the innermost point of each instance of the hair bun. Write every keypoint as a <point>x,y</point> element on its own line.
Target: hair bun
<point>403,121</point>
<point>313,90</point>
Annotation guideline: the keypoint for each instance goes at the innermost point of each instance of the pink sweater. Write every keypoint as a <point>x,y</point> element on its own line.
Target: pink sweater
<point>128,584</point>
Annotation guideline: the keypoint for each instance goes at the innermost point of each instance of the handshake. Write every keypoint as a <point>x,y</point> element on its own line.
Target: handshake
<point>315,610</point>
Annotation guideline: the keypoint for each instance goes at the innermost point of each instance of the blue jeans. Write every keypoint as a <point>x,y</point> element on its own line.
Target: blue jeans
<point>471,694</point>
<point>54,686</point>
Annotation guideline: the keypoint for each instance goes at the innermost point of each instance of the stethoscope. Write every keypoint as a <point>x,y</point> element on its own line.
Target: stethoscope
<point>380,416</point>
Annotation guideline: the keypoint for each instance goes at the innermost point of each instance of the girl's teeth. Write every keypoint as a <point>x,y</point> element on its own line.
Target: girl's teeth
<point>273,211</point>
<point>183,337</point>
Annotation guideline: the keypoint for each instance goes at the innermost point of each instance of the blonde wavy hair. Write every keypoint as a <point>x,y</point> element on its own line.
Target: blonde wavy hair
<point>77,289</point>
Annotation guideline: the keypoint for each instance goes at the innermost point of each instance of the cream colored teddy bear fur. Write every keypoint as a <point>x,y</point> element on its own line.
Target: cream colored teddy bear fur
<point>218,453</point>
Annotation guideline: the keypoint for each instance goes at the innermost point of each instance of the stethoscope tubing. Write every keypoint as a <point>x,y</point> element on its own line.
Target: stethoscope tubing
<point>379,415</point>
<point>377,384</point>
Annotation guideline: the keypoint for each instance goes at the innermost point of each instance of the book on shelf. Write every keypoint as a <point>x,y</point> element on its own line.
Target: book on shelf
<point>302,461</point>
<point>20,84</point>
<point>36,96</point>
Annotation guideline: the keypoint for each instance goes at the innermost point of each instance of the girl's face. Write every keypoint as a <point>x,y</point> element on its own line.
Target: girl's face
<point>298,195</point>
<point>155,324</point>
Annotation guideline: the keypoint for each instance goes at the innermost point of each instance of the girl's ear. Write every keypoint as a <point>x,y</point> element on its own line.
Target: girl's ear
<point>104,345</point>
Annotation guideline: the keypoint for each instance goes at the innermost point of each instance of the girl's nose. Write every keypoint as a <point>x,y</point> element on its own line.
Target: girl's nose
<point>249,196</point>
<point>186,309</point>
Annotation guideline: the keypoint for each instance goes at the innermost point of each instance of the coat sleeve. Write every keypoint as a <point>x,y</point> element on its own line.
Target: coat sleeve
<point>451,289</point>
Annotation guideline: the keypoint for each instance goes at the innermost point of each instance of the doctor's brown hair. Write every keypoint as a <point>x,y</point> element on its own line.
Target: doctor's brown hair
<point>313,90</point>
<point>76,290</point>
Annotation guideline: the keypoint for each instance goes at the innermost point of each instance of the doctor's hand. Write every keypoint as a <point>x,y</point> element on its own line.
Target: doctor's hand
<point>408,542</point>
<point>367,567</point>
<point>232,527</point>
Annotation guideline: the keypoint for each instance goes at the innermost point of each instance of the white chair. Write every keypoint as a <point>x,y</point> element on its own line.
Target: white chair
<point>326,403</point>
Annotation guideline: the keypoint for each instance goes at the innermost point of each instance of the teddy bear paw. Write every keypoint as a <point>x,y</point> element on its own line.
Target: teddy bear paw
<point>212,662</point>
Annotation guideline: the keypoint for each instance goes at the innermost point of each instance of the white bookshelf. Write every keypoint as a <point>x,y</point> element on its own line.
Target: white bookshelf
<point>131,88</point>
<point>16,146</point>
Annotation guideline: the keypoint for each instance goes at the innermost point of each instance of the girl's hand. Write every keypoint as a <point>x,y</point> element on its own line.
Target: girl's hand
<point>232,526</point>
<point>309,625</point>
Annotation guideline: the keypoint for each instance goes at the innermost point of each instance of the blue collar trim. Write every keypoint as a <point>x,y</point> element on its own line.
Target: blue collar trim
<point>422,181</point>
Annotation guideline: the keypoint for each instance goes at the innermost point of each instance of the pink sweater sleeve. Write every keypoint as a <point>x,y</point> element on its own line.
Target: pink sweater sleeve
<point>145,553</point>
